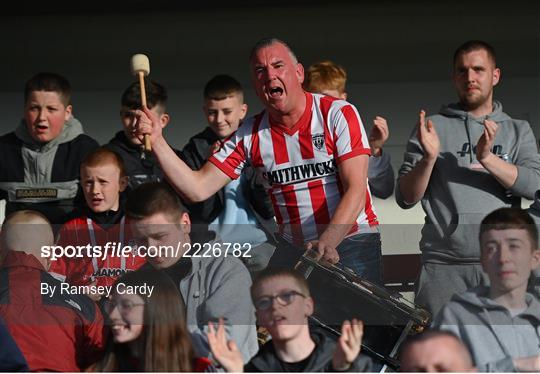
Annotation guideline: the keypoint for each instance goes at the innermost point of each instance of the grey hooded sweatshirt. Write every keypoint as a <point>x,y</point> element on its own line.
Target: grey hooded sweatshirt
<point>216,286</point>
<point>461,192</point>
<point>493,336</point>
<point>43,176</point>
<point>534,211</point>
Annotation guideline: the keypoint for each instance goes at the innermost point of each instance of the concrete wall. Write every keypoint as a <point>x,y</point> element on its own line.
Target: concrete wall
<point>398,57</point>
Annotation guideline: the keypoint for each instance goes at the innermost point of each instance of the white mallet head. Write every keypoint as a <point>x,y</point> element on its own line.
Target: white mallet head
<point>140,62</point>
<point>140,66</point>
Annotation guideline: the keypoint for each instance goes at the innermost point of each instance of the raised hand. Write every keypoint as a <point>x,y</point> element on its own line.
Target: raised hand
<point>485,143</point>
<point>427,135</point>
<point>378,135</point>
<point>225,352</point>
<point>148,123</point>
<point>348,345</point>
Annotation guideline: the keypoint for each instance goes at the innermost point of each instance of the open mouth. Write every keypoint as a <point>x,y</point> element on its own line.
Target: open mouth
<point>118,328</point>
<point>278,320</point>
<point>276,92</point>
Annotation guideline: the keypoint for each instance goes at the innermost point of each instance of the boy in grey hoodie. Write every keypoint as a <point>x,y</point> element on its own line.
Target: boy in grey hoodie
<point>41,158</point>
<point>501,324</point>
<point>534,211</point>
<point>462,163</point>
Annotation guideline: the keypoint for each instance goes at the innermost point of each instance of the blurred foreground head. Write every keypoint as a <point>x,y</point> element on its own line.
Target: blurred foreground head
<point>26,231</point>
<point>435,352</point>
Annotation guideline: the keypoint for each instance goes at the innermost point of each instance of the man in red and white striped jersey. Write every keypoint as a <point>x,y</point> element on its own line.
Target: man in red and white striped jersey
<point>312,153</point>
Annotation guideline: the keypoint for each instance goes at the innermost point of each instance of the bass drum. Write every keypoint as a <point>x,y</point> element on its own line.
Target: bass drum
<point>340,295</point>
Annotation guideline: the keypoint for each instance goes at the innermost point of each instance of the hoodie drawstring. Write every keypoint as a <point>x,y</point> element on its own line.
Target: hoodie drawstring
<point>467,130</point>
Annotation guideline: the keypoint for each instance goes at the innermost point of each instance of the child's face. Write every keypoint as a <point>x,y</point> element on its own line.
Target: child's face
<point>508,257</point>
<point>102,185</point>
<point>130,122</point>
<point>126,313</point>
<point>224,116</point>
<point>45,115</point>
<point>284,322</point>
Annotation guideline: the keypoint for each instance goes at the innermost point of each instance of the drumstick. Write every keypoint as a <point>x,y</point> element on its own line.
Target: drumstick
<point>140,66</point>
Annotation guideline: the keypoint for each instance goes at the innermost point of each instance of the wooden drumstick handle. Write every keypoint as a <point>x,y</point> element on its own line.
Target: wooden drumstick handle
<point>147,143</point>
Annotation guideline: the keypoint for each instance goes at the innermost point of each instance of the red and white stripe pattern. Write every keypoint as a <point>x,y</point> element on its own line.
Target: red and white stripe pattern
<point>299,165</point>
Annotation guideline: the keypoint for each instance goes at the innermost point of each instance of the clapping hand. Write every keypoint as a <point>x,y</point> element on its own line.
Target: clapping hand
<point>225,352</point>
<point>348,345</point>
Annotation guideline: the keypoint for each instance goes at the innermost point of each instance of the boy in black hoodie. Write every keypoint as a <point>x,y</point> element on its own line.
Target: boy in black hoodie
<point>140,165</point>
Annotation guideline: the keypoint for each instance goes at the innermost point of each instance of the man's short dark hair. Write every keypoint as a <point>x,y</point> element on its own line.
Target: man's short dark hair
<point>156,94</point>
<point>49,82</point>
<point>475,45</point>
<point>432,334</point>
<point>510,218</point>
<point>222,86</point>
<point>153,198</point>
<point>275,272</point>
<point>267,42</point>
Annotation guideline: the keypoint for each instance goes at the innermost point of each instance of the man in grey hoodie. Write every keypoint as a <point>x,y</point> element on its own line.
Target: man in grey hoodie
<point>501,323</point>
<point>213,283</point>
<point>461,164</point>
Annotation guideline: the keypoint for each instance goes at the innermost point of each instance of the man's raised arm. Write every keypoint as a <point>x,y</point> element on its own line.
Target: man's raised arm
<point>413,185</point>
<point>194,186</point>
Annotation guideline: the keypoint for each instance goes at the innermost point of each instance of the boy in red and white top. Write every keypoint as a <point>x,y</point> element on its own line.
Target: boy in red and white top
<point>311,151</point>
<point>103,180</point>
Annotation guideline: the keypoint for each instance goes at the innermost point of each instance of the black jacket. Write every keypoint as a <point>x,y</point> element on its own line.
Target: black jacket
<point>321,359</point>
<point>195,154</point>
<point>141,167</point>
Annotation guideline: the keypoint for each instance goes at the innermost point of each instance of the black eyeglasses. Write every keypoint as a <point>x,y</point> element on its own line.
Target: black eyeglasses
<point>124,306</point>
<point>284,299</point>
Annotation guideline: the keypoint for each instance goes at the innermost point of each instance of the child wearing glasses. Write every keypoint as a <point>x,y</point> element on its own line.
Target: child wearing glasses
<point>283,304</point>
<point>149,332</point>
